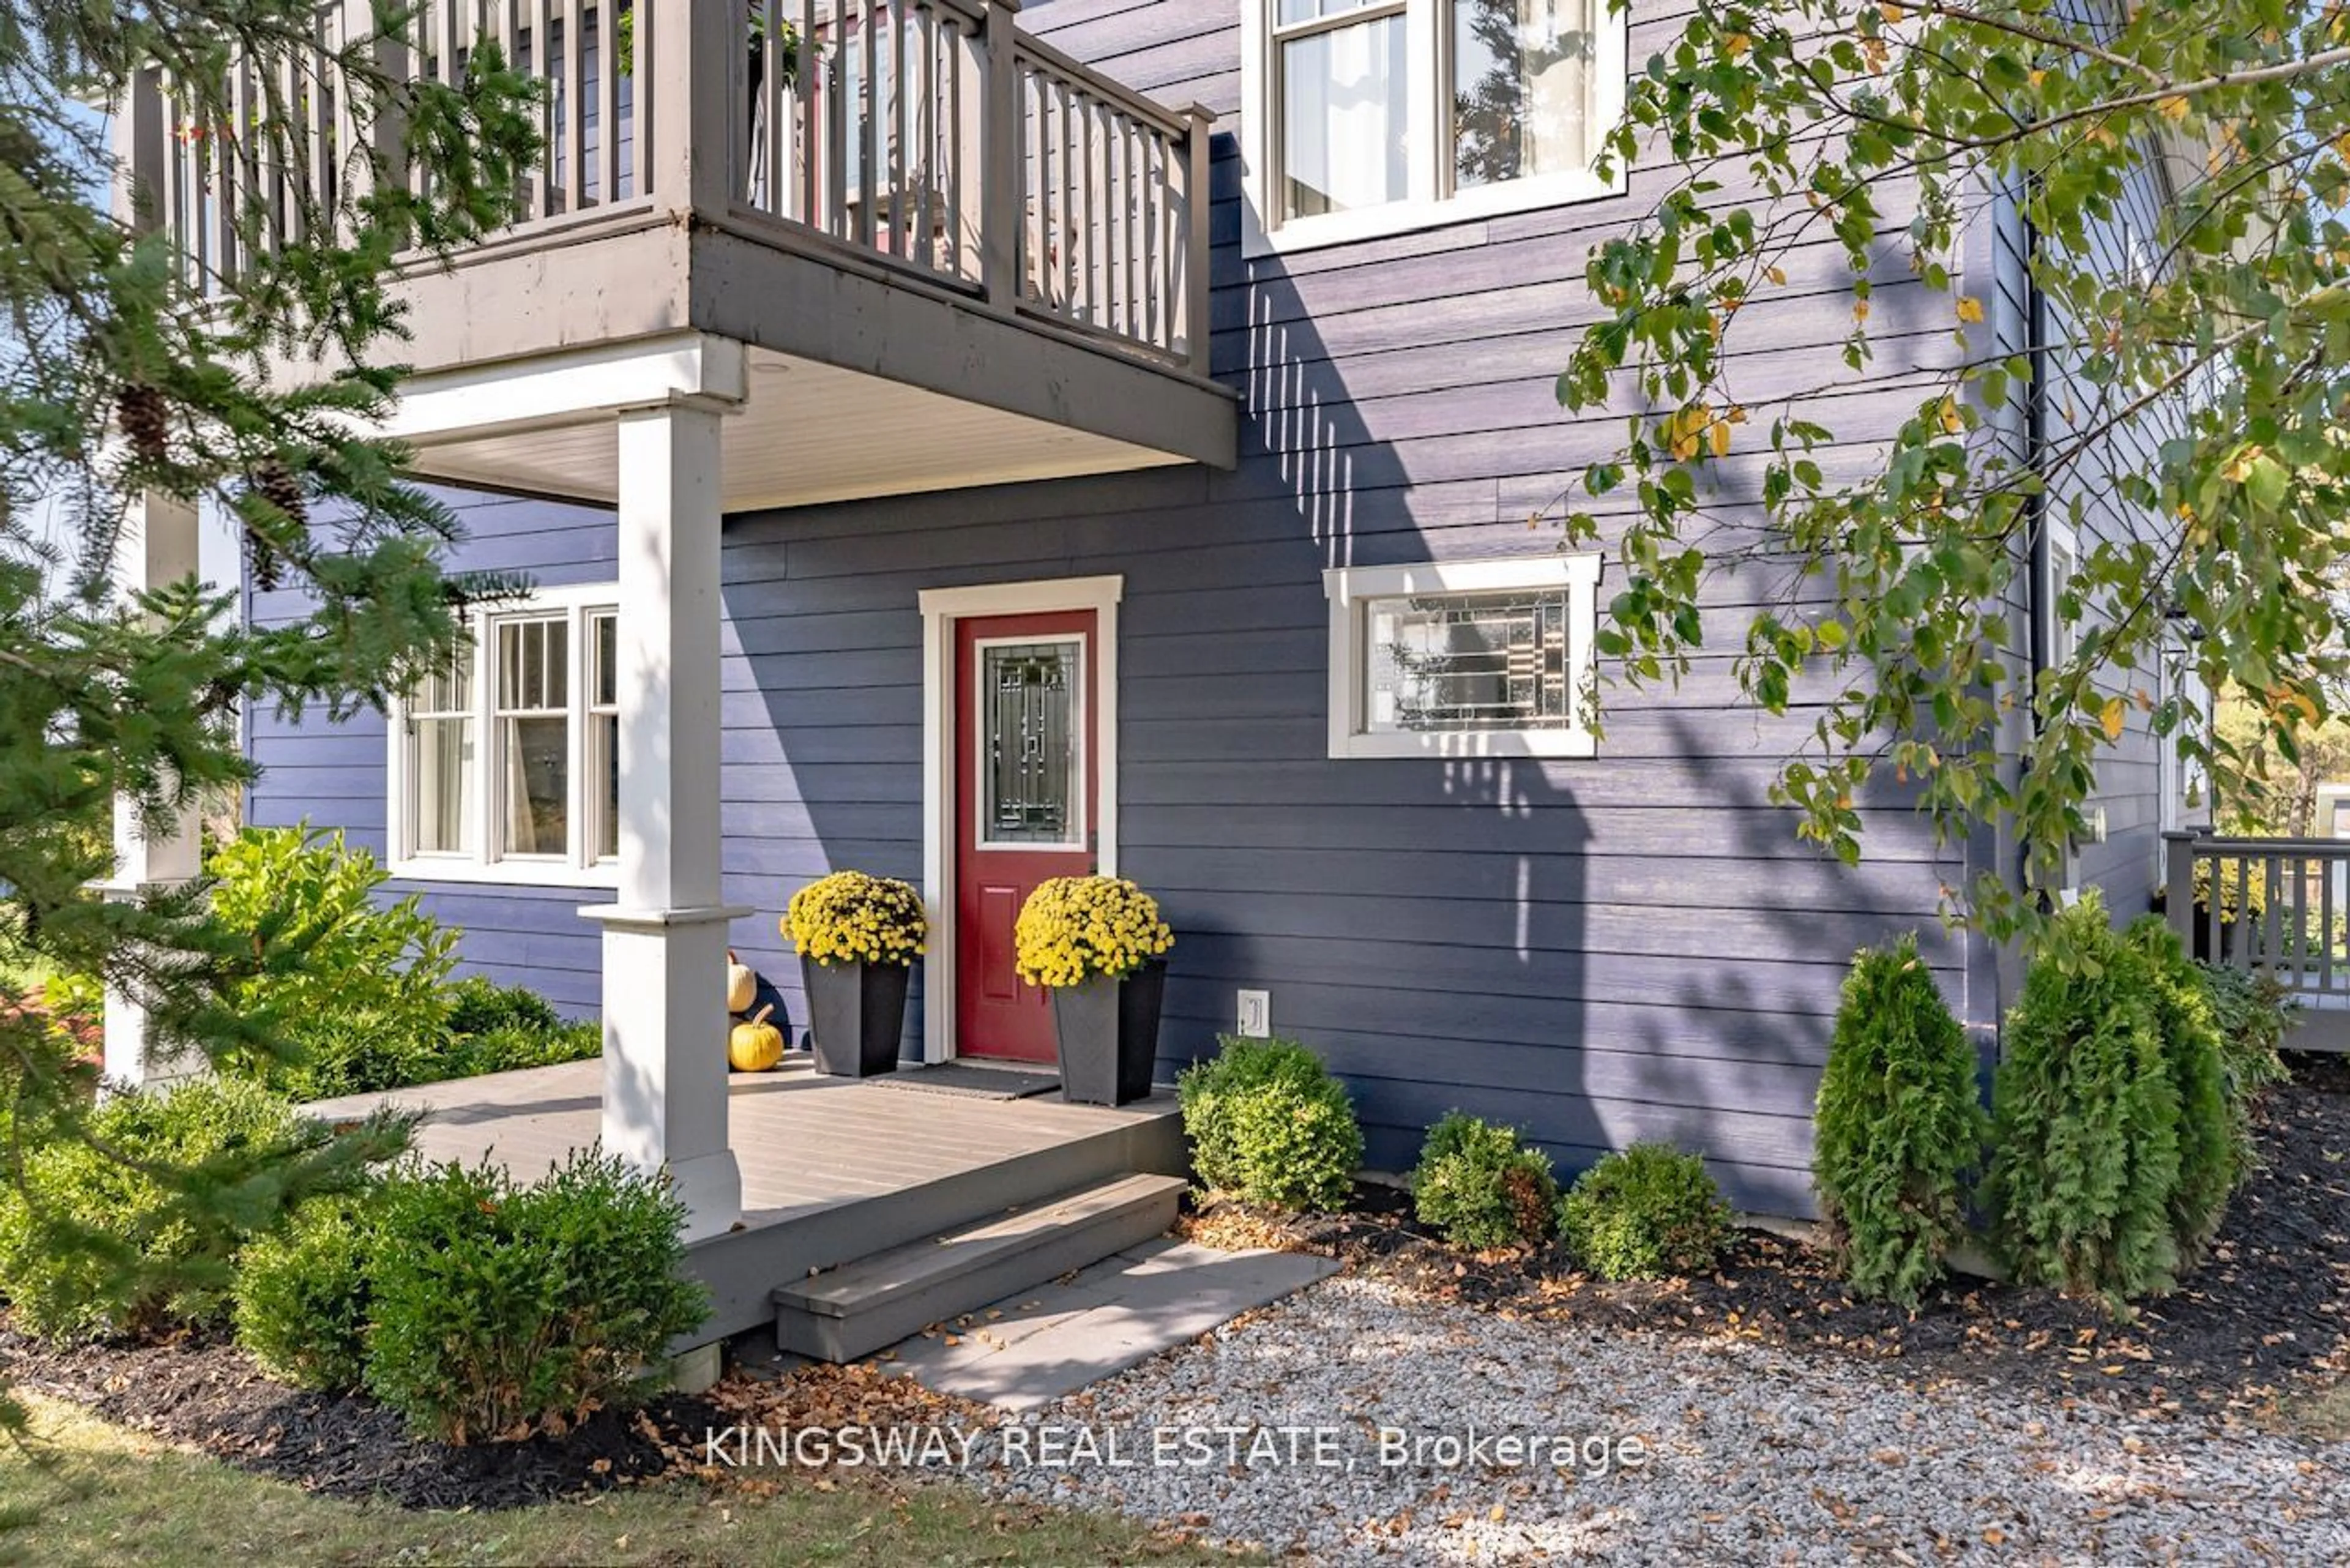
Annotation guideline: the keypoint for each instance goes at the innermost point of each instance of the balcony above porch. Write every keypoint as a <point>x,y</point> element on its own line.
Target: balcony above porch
<point>931,251</point>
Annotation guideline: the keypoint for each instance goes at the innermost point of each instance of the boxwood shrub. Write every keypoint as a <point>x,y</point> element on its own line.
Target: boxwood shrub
<point>1269,1123</point>
<point>302,1295</point>
<point>1478,1185</point>
<point>1900,1125</point>
<point>1645,1212</point>
<point>498,1308</point>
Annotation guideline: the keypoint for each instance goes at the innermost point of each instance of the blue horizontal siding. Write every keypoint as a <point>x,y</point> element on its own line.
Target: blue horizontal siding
<point>1632,945</point>
<point>333,775</point>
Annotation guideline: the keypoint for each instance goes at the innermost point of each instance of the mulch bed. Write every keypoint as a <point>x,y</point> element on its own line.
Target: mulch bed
<point>2268,1311</point>
<point>207,1393</point>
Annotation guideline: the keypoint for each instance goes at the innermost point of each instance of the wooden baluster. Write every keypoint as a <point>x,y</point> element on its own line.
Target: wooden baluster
<point>776,103</point>
<point>1138,258</point>
<point>966,136</point>
<point>869,102</point>
<point>2326,865</point>
<point>2272,915</point>
<point>927,140</point>
<point>637,112</point>
<point>808,92</point>
<point>902,137</point>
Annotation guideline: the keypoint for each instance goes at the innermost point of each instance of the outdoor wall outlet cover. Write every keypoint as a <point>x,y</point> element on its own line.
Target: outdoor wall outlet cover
<point>1256,1013</point>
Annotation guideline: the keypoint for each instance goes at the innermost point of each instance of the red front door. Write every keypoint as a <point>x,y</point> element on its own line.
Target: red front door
<point>1025,791</point>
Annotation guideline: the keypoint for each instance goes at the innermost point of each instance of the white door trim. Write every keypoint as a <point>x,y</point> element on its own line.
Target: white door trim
<point>942,608</point>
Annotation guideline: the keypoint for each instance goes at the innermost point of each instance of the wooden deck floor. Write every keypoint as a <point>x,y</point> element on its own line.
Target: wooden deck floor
<point>806,1143</point>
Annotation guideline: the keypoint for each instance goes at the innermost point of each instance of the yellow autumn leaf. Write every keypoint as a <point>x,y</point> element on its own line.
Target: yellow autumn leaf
<point>2111,718</point>
<point>1890,11</point>
<point>2173,109</point>
<point>1718,437</point>
<point>1951,423</point>
<point>1860,310</point>
<point>1971,309</point>
<point>1777,274</point>
<point>1736,44</point>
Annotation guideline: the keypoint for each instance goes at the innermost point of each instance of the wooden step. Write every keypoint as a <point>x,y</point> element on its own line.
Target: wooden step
<point>855,1310</point>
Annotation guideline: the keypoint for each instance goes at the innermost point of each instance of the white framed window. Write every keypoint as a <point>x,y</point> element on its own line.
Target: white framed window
<point>1374,116</point>
<point>504,766</point>
<point>1481,659</point>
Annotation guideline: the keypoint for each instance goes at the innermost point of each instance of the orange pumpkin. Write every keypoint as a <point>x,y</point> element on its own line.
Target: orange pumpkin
<point>754,1046</point>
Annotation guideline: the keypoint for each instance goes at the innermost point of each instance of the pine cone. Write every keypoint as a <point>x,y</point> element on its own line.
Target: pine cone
<point>145,418</point>
<point>279,486</point>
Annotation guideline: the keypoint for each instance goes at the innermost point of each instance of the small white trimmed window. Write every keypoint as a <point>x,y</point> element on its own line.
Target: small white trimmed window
<point>1453,658</point>
<point>1371,116</point>
<point>505,766</point>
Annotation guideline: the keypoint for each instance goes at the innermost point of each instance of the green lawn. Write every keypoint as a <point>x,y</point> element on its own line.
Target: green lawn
<point>102,1494</point>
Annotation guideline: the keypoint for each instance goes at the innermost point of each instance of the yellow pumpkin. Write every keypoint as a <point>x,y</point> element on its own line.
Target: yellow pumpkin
<point>756,1047</point>
<point>741,985</point>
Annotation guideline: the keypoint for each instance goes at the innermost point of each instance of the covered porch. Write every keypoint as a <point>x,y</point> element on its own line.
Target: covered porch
<point>775,255</point>
<point>833,1170</point>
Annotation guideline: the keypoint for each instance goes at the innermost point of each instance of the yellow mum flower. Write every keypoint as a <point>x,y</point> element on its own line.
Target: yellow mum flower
<point>852,918</point>
<point>1073,929</point>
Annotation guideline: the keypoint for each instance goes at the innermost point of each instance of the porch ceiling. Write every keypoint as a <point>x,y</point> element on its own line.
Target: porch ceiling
<point>808,432</point>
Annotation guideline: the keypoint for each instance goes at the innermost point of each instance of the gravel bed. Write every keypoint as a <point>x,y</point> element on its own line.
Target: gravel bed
<point>1745,1453</point>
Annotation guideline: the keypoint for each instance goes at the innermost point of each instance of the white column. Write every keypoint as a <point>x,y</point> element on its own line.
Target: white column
<point>156,549</point>
<point>665,941</point>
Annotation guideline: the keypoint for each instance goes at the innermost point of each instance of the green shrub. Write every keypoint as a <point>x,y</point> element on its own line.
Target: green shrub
<point>514,1046</point>
<point>479,1005</point>
<point>92,1244</point>
<point>1479,1187</point>
<point>1269,1123</point>
<point>352,987</point>
<point>1643,1212</point>
<point>1900,1125</point>
<point>2181,1001</point>
<point>2253,1013</point>
<point>500,1307</point>
<point>2085,1112</point>
<point>302,1295</point>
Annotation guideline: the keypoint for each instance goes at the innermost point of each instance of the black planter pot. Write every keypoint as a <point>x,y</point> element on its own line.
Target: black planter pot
<point>855,1014</point>
<point>2203,945</point>
<point>1108,1034</point>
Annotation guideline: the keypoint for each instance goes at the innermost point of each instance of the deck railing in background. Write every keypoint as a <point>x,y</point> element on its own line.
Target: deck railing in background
<point>928,135</point>
<point>2277,905</point>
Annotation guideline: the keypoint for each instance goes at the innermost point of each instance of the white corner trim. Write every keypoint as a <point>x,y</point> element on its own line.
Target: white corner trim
<point>940,608</point>
<point>563,387</point>
<point>1350,589</point>
<point>1424,207</point>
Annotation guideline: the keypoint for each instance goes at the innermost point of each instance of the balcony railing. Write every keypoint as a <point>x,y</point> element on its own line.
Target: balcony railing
<point>928,137</point>
<point>2280,905</point>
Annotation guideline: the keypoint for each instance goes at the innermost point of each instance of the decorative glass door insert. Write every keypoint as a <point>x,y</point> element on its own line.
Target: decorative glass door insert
<point>1031,747</point>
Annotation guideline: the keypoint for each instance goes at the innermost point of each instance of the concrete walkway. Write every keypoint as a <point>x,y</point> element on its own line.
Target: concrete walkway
<point>1026,1351</point>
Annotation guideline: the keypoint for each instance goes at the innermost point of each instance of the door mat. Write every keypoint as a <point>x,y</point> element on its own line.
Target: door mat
<point>980,1083</point>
